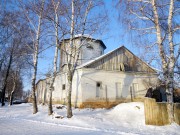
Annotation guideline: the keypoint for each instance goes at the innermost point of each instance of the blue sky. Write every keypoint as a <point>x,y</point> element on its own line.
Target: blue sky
<point>116,36</point>
<point>113,38</point>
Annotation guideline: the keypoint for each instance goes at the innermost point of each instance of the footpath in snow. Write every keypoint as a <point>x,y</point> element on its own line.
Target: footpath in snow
<point>124,119</point>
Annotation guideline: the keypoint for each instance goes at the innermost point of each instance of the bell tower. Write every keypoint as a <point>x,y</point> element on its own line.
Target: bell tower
<point>90,49</point>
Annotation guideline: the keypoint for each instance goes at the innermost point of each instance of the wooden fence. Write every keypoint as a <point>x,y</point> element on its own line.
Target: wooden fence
<point>156,113</point>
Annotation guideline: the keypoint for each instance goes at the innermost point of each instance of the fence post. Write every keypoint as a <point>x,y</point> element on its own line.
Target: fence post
<point>131,93</point>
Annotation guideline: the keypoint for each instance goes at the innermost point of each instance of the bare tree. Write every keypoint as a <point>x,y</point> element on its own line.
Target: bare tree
<point>6,75</point>
<point>15,84</point>
<point>8,42</point>
<point>56,13</point>
<point>157,21</point>
<point>78,25</point>
<point>70,72</point>
<point>51,87</point>
<point>15,79</point>
<point>33,13</point>
<point>35,59</point>
<point>7,49</point>
<point>61,12</point>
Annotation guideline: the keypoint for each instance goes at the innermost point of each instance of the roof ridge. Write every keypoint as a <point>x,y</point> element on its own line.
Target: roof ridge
<point>97,58</point>
<point>104,55</point>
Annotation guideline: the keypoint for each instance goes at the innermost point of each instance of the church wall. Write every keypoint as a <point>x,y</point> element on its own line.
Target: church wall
<point>92,86</point>
<point>114,86</point>
<point>91,50</point>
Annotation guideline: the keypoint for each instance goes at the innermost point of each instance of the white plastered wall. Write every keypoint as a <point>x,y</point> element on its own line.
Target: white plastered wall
<point>109,80</point>
<point>60,94</point>
<point>84,87</point>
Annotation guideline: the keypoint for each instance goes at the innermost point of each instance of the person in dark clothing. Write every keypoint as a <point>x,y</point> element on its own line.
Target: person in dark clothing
<point>163,92</point>
<point>149,93</point>
<point>176,96</point>
<point>157,95</point>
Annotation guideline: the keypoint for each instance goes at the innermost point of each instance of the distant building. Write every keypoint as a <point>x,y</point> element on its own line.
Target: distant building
<point>100,79</point>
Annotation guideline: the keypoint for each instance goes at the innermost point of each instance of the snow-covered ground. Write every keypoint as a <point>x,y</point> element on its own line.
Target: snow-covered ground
<point>124,119</point>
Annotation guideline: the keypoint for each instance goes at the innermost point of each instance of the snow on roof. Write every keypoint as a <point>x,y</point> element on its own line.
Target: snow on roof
<point>98,58</point>
<point>87,36</point>
<point>80,35</point>
<point>156,69</point>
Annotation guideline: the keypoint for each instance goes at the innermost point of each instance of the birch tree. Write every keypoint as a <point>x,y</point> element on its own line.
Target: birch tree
<point>18,71</point>
<point>15,61</point>
<point>33,13</point>
<point>157,21</point>
<point>35,58</point>
<point>78,25</point>
<point>51,87</point>
<point>16,80</point>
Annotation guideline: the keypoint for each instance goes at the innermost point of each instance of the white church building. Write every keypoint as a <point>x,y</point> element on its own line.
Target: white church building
<point>100,80</point>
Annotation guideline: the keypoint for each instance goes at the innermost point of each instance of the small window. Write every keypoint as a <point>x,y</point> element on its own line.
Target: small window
<point>98,88</point>
<point>89,46</point>
<point>63,87</point>
<point>98,84</point>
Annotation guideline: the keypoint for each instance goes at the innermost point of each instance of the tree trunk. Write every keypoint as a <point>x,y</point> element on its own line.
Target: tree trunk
<point>73,63</point>
<point>50,109</point>
<point>171,65</point>
<point>159,35</point>
<point>1,63</point>
<point>12,94</point>
<point>81,40</point>
<point>170,106</point>
<point>33,85</point>
<point>51,88</point>
<point>11,98</point>
<point>69,89</point>
<point>35,61</point>
<point>168,66</point>
<point>70,66</point>
<point>6,77</point>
